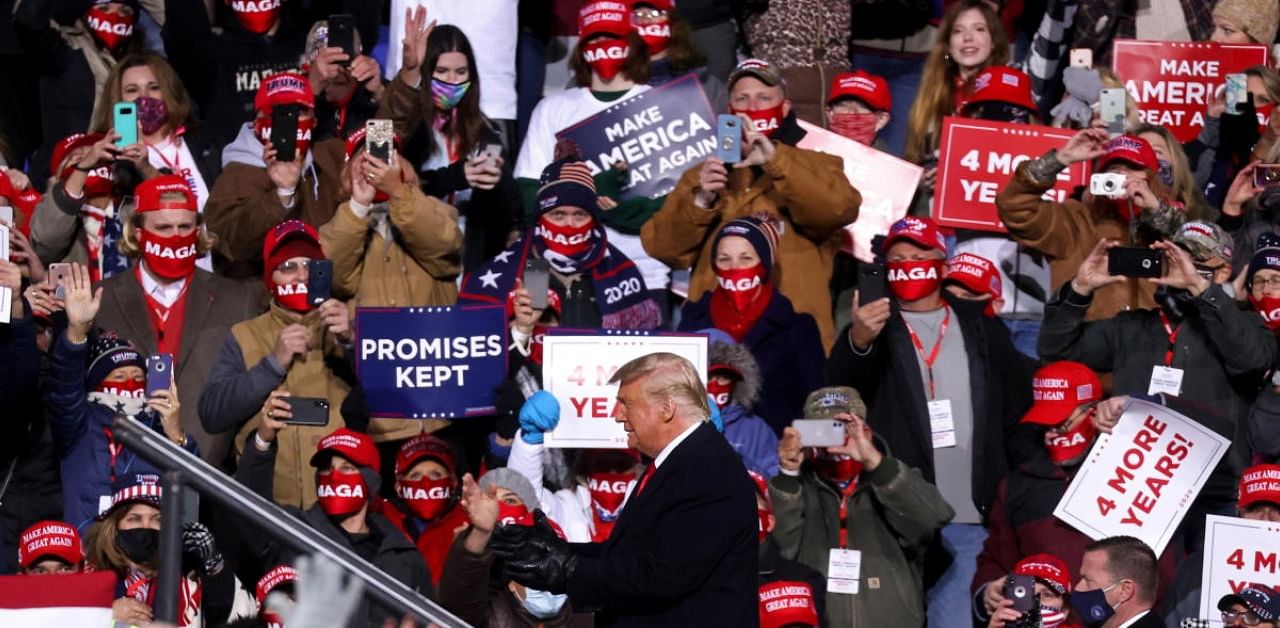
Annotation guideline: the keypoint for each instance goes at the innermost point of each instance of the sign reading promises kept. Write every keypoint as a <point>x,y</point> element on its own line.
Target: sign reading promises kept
<point>431,362</point>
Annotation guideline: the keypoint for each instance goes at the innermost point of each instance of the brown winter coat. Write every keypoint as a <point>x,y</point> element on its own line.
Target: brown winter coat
<point>805,189</point>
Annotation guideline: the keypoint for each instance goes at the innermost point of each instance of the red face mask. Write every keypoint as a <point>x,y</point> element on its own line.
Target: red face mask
<point>838,468</point>
<point>1069,445</point>
<point>535,343</point>
<point>97,182</point>
<point>915,279</point>
<point>1269,309</point>
<point>765,121</point>
<point>740,284</point>
<point>606,57</point>
<point>293,296</point>
<point>425,498</point>
<point>273,620</point>
<point>567,240</point>
<point>256,16</point>
<point>656,36</point>
<point>262,126</point>
<point>1264,116</point>
<point>169,257</point>
<point>722,393</point>
<point>763,515</point>
<point>130,389</point>
<point>509,515</point>
<point>607,492</point>
<point>859,127</point>
<point>340,494</point>
<point>111,30</point>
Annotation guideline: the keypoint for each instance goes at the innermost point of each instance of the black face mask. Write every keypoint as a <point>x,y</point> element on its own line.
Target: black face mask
<point>140,545</point>
<point>999,112</point>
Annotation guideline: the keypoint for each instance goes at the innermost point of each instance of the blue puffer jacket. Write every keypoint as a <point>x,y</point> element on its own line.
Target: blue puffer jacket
<point>752,438</point>
<point>80,436</point>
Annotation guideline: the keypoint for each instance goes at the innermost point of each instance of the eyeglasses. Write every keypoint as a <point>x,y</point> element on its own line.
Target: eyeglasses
<point>1246,617</point>
<point>1271,282</point>
<point>649,14</point>
<point>292,266</point>
<point>1206,272</point>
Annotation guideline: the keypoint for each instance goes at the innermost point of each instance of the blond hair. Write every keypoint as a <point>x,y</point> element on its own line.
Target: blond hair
<point>668,376</point>
<point>130,247</point>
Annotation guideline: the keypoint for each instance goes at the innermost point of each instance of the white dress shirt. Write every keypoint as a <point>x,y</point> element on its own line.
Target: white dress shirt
<point>165,295</point>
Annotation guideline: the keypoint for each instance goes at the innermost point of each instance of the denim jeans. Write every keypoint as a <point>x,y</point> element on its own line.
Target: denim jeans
<point>949,602</point>
<point>903,74</point>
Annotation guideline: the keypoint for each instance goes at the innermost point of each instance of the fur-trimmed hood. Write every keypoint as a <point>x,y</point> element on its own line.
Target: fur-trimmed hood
<point>747,392</point>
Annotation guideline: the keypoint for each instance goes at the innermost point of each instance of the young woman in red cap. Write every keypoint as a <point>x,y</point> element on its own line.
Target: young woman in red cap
<point>672,51</point>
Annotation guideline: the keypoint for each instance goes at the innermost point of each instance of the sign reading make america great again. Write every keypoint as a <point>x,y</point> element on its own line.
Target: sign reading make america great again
<point>659,134</point>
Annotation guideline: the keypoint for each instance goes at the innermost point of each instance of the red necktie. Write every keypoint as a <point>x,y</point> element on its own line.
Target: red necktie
<point>644,479</point>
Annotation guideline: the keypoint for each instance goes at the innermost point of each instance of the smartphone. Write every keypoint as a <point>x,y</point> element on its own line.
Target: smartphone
<point>493,152</point>
<point>59,273</point>
<point>820,432</point>
<point>284,132</point>
<point>1236,92</point>
<point>537,277</point>
<point>307,411</point>
<point>125,122</point>
<point>6,214</point>
<point>1081,58</point>
<point>1135,262</point>
<point>342,34</point>
<point>159,372</point>
<point>379,136</point>
<point>872,285</point>
<point>1022,591</point>
<point>319,281</point>
<point>729,138</point>
<point>1266,175</point>
<point>1112,106</point>
<point>4,242</point>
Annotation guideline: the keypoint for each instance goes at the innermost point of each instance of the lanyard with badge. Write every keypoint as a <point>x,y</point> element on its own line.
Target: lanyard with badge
<point>844,566</point>
<point>942,424</point>
<point>1165,378</point>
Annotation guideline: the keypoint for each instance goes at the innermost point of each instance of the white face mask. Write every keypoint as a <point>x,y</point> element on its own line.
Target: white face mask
<point>542,604</point>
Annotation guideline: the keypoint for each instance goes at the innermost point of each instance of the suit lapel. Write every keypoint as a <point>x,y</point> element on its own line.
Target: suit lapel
<point>636,501</point>
<point>130,300</point>
<point>199,302</point>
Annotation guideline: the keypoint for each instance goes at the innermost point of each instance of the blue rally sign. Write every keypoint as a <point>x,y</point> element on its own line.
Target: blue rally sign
<point>659,134</point>
<point>431,362</point>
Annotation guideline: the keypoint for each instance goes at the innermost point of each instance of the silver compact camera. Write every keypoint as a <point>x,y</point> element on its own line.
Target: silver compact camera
<point>1107,184</point>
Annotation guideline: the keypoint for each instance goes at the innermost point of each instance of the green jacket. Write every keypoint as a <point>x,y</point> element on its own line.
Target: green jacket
<point>893,517</point>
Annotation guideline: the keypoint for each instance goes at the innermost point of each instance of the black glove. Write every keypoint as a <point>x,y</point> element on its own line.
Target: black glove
<point>544,562</point>
<point>508,540</point>
<point>1239,132</point>
<point>199,553</point>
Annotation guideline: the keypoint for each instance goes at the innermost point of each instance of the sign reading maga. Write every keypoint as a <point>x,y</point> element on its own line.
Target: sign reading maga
<point>1141,479</point>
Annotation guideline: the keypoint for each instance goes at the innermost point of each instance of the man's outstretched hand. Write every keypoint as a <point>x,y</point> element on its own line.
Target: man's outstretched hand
<point>541,561</point>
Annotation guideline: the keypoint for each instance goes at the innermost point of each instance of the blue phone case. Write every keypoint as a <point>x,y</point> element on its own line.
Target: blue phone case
<point>729,138</point>
<point>125,122</point>
<point>159,372</point>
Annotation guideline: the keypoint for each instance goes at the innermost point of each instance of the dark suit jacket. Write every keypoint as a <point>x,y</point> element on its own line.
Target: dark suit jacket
<point>214,304</point>
<point>684,550</point>
<point>1150,620</point>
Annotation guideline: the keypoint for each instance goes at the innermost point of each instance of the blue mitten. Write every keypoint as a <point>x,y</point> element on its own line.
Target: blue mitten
<point>716,419</point>
<point>1084,86</point>
<point>540,413</point>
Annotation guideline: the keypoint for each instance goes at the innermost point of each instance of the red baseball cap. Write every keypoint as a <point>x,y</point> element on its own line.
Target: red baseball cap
<point>1000,83</point>
<point>354,446</point>
<point>1130,149</point>
<point>355,141</point>
<point>869,88</point>
<point>1259,483</point>
<point>1058,389</point>
<point>149,192</point>
<point>609,17</point>
<point>922,231</point>
<point>287,240</point>
<point>274,578</point>
<point>975,273</point>
<point>70,143</point>
<point>1048,568</point>
<point>49,538</point>
<point>284,88</point>
<point>787,603</point>
<point>424,446</point>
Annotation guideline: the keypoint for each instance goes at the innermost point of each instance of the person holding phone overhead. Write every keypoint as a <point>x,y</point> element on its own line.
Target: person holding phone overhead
<point>165,304</point>
<point>747,305</point>
<point>347,82</point>
<point>391,246</point>
<point>465,161</point>
<point>870,502</point>
<point>291,350</point>
<point>95,375</point>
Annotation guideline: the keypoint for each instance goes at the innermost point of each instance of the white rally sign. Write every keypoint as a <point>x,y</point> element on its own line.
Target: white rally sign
<point>1141,479</point>
<point>576,369</point>
<point>1238,553</point>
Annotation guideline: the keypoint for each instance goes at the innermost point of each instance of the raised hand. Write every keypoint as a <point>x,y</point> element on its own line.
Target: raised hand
<point>416,32</point>
<point>82,303</point>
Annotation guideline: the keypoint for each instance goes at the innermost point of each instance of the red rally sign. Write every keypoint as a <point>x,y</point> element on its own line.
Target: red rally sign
<point>977,158</point>
<point>1172,80</point>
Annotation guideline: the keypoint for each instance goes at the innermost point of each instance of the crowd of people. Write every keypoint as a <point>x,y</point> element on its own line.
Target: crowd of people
<point>968,391</point>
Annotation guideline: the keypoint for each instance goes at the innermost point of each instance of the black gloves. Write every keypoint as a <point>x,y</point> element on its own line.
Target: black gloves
<point>199,553</point>
<point>534,556</point>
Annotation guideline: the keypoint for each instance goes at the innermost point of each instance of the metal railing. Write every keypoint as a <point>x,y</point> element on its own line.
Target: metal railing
<point>182,469</point>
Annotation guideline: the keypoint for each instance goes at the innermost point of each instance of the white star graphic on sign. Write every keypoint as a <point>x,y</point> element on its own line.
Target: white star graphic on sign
<point>503,257</point>
<point>490,279</point>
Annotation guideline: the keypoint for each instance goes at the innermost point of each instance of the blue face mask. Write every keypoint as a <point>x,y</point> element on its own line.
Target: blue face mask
<point>1092,606</point>
<point>542,604</point>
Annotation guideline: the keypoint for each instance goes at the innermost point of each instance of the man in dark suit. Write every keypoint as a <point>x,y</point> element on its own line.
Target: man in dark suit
<point>683,552</point>
<point>1117,586</point>
<point>165,304</point>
